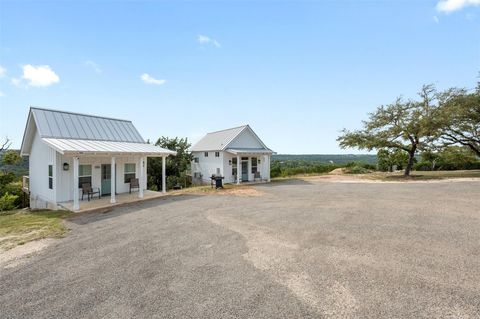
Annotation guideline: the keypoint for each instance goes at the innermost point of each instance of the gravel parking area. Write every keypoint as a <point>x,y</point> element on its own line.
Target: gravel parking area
<point>297,249</point>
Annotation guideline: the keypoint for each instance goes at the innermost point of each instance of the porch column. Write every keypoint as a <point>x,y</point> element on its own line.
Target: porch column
<point>239,169</point>
<point>268,168</point>
<point>113,181</point>
<point>140,180</point>
<point>164,178</point>
<point>76,204</point>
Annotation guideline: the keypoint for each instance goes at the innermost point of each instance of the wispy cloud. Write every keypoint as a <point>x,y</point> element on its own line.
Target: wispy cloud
<point>93,65</point>
<point>3,71</point>
<point>448,6</point>
<point>148,79</point>
<point>205,40</point>
<point>37,76</point>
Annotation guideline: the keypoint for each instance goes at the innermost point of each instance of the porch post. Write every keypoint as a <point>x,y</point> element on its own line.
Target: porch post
<point>113,181</point>
<point>164,178</point>
<point>239,169</point>
<point>140,181</point>
<point>268,168</point>
<point>76,204</point>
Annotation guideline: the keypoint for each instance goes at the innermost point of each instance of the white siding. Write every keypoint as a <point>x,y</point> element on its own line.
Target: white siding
<point>245,140</point>
<point>40,157</point>
<point>208,165</point>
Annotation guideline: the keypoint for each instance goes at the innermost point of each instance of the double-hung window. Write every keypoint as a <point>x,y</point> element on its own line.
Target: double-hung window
<point>234,166</point>
<point>84,175</point>
<point>129,172</point>
<point>50,176</point>
<point>254,165</point>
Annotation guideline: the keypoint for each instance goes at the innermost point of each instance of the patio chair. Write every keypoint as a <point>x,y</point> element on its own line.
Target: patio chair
<point>90,191</point>
<point>134,184</point>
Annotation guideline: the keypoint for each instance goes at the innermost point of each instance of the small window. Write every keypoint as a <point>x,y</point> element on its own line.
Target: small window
<point>254,165</point>
<point>205,154</point>
<point>50,176</point>
<point>195,159</point>
<point>84,175</point>
<point>217,154</point>
<point>129,172</point>
<point>234,166</point>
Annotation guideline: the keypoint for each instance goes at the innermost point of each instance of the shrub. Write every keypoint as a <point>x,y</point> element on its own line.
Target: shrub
<point>7,202</point>
<point>15,188</point>
<point>357,169</point>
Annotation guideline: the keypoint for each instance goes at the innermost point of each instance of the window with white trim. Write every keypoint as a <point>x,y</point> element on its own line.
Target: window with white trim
<point>254,165</point>
<point>50,176</point>
<point>205,154</point>
<point>217,154</point>
<point>84,175</point>
<point>195,160</point>
<point>129,172</point>
<point>234,166</point>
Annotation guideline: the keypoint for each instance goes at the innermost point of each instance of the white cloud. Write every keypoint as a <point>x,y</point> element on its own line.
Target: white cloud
<point>3,71</point>
<point>16,82</point>
<point>93,65</point>
<point>146,78</point>
<point>39,76</point>
<point>204,40</point>
<point>448,6</point>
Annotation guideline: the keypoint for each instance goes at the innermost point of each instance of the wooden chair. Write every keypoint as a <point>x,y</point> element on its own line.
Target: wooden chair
<point>134,183</point>
<point>90,191</point>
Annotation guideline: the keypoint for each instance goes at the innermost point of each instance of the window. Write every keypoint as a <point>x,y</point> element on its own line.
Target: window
<point>254,165</point>
<point>129,172</point>
<point>84,175</point>
<point>195,159</point>
<point>234,166</point>
<point>217,154</point>
<point>205,154</point>
<point>50,176</point>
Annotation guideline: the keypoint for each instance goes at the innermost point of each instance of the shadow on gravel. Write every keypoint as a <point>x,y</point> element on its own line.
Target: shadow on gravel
<point>91,217</point>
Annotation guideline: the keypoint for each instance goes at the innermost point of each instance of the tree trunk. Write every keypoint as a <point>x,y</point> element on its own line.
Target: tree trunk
<point>411,157</point>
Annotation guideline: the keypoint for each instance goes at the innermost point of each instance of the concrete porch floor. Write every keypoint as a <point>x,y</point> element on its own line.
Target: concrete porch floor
<point>104,202</point>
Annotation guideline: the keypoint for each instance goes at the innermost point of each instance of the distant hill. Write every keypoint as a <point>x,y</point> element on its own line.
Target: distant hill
<point>20,169</point>
<point>338,159</point>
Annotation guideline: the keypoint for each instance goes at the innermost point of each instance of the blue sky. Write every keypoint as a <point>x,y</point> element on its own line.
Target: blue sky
<point>297,72</point>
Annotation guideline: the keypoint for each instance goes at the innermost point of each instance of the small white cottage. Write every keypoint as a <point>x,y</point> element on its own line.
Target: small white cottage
<point>69,150</point>
<point>237,154</point>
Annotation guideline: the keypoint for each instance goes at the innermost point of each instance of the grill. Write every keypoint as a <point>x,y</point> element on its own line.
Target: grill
<point>217,181</point>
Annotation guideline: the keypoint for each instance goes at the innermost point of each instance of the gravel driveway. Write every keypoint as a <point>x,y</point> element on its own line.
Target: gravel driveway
<point>298,249</point>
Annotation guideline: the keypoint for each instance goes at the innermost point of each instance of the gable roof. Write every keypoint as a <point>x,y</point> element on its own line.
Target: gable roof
<point>220,140</point>
<point>76,133</point>
<point>61,124</point>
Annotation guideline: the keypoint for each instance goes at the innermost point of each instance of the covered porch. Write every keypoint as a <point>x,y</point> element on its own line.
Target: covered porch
<point>250,165</point>
<point>105,202</point>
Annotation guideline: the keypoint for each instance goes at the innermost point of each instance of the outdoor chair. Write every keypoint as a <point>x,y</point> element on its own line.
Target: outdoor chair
<point>134,184</point>
<point>88,190</point>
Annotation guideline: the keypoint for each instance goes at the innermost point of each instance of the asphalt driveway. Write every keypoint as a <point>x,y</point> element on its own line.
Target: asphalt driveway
<point>297,249</point>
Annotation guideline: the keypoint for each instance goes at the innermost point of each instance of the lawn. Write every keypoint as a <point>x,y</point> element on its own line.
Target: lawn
<point>21,227</point>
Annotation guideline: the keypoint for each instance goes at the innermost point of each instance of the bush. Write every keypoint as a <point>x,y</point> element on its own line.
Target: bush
<point>7,202</point>
<point>15,188</point>
<point>423,166</point>
<point>357,169</point>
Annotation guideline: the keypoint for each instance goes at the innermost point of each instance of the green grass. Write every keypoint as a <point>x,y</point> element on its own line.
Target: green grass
<point>419,175</point>
<point>23,226</point>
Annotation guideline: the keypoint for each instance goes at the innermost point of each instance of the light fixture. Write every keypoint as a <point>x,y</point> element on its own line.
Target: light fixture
<point>66,166</point>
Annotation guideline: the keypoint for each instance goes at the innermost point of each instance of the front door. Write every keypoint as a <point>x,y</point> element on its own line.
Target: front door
<point>106,179</point>
<point>244,171</point>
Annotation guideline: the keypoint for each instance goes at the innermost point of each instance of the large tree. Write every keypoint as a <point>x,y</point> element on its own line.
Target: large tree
<point>176,166</point>
<point>460,118</point>
<point>404,125</point>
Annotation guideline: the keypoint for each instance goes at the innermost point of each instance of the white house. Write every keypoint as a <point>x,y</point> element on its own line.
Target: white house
<point>237,154</point>
<point>68,149</point>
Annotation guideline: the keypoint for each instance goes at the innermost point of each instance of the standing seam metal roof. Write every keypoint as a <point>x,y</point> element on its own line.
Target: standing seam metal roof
<point>67,125</point>
<point>217,141</point>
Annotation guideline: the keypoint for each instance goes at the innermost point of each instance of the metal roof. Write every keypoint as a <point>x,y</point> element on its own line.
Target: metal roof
<point>90,147</point>
<point>67,125</point>
<point>217,141</point>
